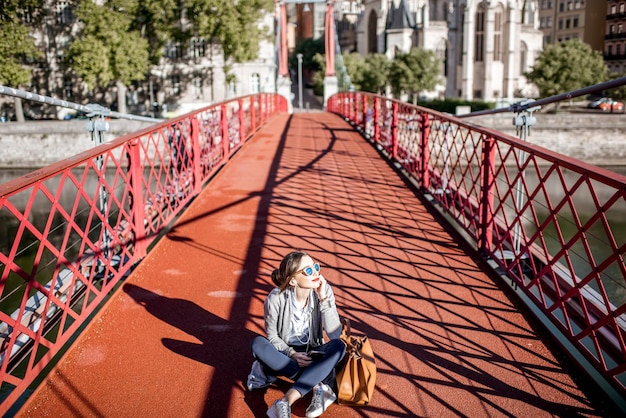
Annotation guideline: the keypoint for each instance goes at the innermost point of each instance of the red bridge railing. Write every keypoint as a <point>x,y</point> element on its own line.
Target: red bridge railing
<point>101,211</point>
<point>546,221</point>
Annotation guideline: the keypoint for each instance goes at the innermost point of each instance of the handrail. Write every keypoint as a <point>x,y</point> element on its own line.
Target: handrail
<point>527,104</point>
<point>523,208</point>
<point>102,209</point>
<point>90,110</point>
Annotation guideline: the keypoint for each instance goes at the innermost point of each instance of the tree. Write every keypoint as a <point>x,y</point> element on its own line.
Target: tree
<point>414,72</point>
<point>567,66</point>
<point>354,64</point>
<point>232,24</point>
<point>155,20</point>
<point>308,48</point>
<point>376,73</point>
<point>16,46</point>
<point>108,50</point>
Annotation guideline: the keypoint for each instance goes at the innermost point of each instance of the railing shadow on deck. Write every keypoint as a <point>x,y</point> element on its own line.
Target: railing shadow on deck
<point>369,241</point>
<point>516,203</point>
<point>104,208</point>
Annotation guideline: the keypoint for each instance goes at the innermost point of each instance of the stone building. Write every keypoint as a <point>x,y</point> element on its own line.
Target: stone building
<point>561,20</point>
<point>615,37</point>
<point>485,45</point>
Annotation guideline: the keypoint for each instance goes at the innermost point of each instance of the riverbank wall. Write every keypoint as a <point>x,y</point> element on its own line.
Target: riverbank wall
<point>593,137</point>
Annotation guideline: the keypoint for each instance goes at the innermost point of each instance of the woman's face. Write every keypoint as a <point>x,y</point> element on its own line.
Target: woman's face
<point>308,273</point>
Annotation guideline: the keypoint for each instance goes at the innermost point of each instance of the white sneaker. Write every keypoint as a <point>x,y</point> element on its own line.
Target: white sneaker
<point>257,378</point>
<point>279,409</point>
<point>323,397</point>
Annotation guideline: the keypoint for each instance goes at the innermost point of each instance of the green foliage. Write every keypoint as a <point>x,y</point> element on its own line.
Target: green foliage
<point>318,77</point>
<point>17,48</point>
<point>369,74</point>
<point>399,76</point>
<point>566,66</point>
<point>233,24</point>
<point>131,59</point>
<point>375,76</point>
<point>156,21</point>
<point>107,49</point>
<point>355,67</point>
<point>308,48</point>
<point>413,72</point>
<point>90,60</point>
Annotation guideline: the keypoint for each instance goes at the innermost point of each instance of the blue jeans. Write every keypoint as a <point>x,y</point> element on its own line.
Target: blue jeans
<point>276,363</point>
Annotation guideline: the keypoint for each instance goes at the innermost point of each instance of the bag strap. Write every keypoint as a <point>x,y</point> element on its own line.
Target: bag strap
<point>346,326</point>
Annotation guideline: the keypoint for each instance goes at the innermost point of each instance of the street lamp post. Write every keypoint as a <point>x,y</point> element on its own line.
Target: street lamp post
<point>300,80</point>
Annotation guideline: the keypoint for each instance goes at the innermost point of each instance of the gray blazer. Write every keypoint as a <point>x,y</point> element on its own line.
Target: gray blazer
<point>324,317</point>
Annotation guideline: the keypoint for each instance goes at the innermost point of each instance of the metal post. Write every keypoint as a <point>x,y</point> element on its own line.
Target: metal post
<point>523,121</point>
<point>97,126</point>
<point>299,80</point>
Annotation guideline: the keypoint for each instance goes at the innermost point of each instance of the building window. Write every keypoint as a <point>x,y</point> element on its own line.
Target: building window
<point>546,40</point>
<point>197,49</point>
<point>618,50</point>
<point>621,7</point>
<point>255,83</point>
<point>197,87</point>
<point>568,23</point>
<point>611,29</point>
<point>570,5</point>
<point>620,28</point>
<point>26,15</point>
<point>479,38</point>
<point>522,58</point>
<point>175,89</point>
<point>561,6</point>
<point>68,88</point>
<point>174,50</point>
<point>549,21</point>
<point>497,37</point>
<point>575,22</point>
<point>64,12</point>
<point>560,23</point>
<point>613,9</point>
<point>610,51</point>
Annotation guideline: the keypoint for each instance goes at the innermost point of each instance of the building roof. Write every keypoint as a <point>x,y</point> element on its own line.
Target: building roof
<point>400,17</point>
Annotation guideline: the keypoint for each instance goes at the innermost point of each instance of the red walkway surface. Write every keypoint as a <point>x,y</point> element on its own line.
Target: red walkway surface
<point>174,339</point>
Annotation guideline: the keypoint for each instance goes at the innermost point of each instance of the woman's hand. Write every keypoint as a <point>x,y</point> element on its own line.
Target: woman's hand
<point>302,359</point>
<point>321,289</point>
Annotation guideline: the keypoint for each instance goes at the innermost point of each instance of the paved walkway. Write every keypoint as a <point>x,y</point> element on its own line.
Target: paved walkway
<point>173,341</point>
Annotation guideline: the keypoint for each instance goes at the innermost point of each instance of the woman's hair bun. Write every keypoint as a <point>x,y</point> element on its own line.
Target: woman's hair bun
<point>277,278</point>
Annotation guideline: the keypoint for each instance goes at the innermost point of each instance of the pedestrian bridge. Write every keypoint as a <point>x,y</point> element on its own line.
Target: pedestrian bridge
<point>455,248</point>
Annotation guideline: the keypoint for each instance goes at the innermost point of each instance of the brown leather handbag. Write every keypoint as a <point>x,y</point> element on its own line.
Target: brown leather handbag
<point>356,377</point>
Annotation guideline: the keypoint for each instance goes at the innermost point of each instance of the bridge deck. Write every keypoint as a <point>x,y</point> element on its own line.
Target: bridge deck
<point>174,339</point>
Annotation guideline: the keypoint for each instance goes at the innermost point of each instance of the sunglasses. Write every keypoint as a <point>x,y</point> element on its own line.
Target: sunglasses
<point>308,271</point>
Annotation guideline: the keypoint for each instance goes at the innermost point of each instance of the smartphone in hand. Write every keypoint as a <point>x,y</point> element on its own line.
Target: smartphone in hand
<point>315,354</point>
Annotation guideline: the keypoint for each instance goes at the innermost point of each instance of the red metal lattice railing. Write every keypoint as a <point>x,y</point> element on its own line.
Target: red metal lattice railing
<point>101,211</point>
<point>546,220</point>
